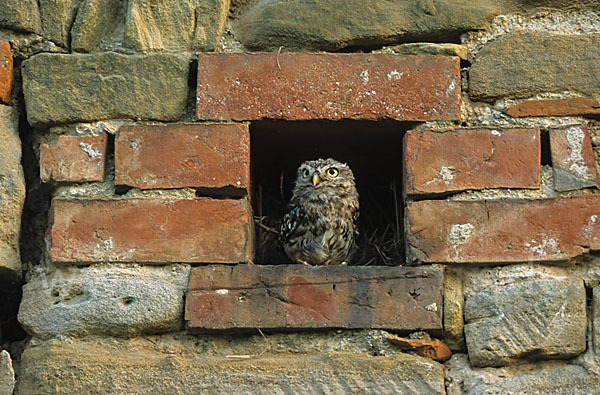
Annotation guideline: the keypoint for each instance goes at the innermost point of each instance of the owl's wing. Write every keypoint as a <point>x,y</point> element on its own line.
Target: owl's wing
<point>290,222</point>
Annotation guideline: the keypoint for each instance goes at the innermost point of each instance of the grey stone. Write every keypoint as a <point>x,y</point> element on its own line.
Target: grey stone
<point>22,15</point>
<point>72,88</point>
<point>7,374</point>
<point>99,26</point>
<point>548,377</point>
<point>428,49</point>
<point>182,25</point>
<point>336,24</point>
<point>510,66</point>
<point>192,365</point>
<point>541,318</point>
<point>104,300</point>
<point>57,18</point>
<point>596,319</point>
<point>12,193</point>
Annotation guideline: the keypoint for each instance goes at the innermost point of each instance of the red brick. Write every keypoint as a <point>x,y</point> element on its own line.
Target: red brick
<point>555,107</point>
<point>212,156</point>
<point>297,86</point>
<point>502,231</point>
<point>6,72</point>
<point>74,159</point>
<point>438,161</point>
<point>573,159</point>
<point>298,296</point>
<point>434,349</point>
<point>150,230</point>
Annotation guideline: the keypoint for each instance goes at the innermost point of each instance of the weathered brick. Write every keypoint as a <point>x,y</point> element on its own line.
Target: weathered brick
<point>297,86</point>
<point>573,159</point>
<point>555,107</point>
<point>296,296</point>
<point>498,231</point>
<point>173,156</point>
<point>6,72</point>
<point>150,230</point>
<point>74,159</point>
<point>438,161</point>
<point>434,349</point>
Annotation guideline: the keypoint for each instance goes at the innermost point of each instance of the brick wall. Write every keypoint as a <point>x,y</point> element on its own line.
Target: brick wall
<point>154,161</point>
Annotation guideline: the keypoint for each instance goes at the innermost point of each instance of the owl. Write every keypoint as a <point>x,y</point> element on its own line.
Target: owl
<point>322,224</point>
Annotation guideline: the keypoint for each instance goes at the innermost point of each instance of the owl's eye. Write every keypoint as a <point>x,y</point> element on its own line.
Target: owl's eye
<point>332,172</point>
<point>305,173</point>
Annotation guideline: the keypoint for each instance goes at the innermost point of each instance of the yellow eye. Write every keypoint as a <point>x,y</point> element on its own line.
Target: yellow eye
<point>332,172</point>
<point>305,173</point>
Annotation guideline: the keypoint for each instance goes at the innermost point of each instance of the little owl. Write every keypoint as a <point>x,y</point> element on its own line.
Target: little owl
<point>322,224</point>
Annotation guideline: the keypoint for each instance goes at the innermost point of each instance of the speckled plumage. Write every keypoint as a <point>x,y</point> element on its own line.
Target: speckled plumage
<point>322,224</point>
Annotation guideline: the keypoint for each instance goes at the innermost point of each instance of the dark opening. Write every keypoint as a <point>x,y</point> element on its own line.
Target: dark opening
<point>373,150</point>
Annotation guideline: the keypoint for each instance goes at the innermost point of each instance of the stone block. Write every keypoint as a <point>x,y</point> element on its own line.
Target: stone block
<point>573,159</point>
<point>57,17</point>
<point>12,193</point>
<point>187,366</point>
<point>6,72</point>
<point>453,309</point>
<point>7,374</point>
<point>150,230</point>
<point>569,63</point>
<point>209,156</point>
<point>541,318</point>
<point>336,24</point>
<point>502,231</point>
<point>440,161</point>
<point>21,15</point>
<point>298,296</point>
<point>99,26</point>
<point>555,107</point>
<point>596,319</point>
<point>104,300</point>
<point>74,159</point>
<point>301,86</point>
<point>61,88</point>
<point>445,49</point>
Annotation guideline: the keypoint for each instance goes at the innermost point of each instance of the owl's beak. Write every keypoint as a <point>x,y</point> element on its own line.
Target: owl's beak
<point>316,179</point>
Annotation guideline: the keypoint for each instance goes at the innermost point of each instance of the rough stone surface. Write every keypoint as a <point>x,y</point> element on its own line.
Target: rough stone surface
<point>99,26</point>
<point>72,88</point>
<point>428,49</point>
<point>509,67</point>
<point>548,377</point>
<point>150,365</point>
<point>300,86</point>
<point>573,159</point>
<point>555,107</point>
<point>183,25</point>
<point>209,156</point>
<point>150,230</point>
<point>439,161</point>
<point>74,159</point>
<point>453,310</point>
<point>502,231</point>
<point>23,15</point>
<point>6,72</point>
<point>336,24</point>
<point>542,318</point>
<point>596,319</point>
<point>12,192</point>
<point>7,374</point>
<point>114,301</point>
<point>298,296</point>
<point>57,17</point>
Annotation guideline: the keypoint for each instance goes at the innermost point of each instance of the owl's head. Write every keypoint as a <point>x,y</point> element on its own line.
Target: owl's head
<point>324,173</point>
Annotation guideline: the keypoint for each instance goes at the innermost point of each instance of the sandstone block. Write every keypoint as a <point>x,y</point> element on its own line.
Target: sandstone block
<point>502,231</point>
<point>12,192</point>
<point>569,63</point>
<point>596,319</point>
<point>57,17</point>
<point>7,374</point>
<point>429,49</point>
<point>555,107</point>
<point>150,230</point>
<point>543,318</point>
<point>300,86</point>
<point>74,159</point>
<point>62,88</point>
<point>21,15</point>
<point>104,300</point>
<point>152,366</point>
<point>208,156</point>
<point>297,296</point>
<point>99,25</point>
<point>335,24</point>
<point>439,161</point>
<point>6,72</point>
<point>453,309</point>
<point>573,159</point>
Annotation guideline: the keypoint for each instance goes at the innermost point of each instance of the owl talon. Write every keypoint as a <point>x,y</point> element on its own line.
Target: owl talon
<point>305,263</point>
<point>344,263</point>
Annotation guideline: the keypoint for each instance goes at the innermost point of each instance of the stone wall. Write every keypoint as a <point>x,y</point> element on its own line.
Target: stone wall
<point>148,147</point>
